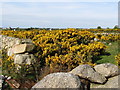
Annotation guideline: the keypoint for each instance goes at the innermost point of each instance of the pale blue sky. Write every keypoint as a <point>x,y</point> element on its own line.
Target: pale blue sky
<point>60,14</point>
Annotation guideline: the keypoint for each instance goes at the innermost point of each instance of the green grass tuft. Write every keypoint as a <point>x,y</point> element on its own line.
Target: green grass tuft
<point>112,50</point>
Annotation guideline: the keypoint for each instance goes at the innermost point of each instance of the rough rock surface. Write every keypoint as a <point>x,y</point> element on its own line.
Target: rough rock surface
<point>22,48</point>
<point>10,52</point>
<point>23,58</point>
<point>7,42</point>
<point>111,83</point>
<point>87,72</point>
<point>107,69</point>
<point>18,48</point>
<point>59,80</point>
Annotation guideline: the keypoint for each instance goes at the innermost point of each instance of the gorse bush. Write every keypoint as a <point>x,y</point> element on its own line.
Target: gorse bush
<point>68,48</point>
<point>109,37</point>
<point>30,34</point>
<point>80,54</point>
<point>64,47</point>
<point>8,66</point>
<point>117,57</point>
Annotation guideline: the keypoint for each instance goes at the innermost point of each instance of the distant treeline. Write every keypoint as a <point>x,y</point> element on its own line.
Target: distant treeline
<point>114,29</point>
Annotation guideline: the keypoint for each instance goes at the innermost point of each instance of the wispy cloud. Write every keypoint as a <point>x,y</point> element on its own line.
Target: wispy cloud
<point>64,14</point>
<point>60,1</point>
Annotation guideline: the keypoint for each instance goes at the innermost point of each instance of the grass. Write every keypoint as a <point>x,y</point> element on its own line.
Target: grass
<point>112,50</point>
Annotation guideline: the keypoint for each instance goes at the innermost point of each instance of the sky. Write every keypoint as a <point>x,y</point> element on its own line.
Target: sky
<point>60,14</point>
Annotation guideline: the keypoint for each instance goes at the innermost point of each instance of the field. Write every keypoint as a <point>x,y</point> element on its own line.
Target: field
<point>63,50</point>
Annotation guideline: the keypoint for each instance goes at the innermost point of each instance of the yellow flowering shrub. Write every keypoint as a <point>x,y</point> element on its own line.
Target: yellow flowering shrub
<point>69,47</point>
<point>103,30</point>
<point>16,71</point>
<point>20,34</point>
<point>8,66</point>
<point>109,37</point>
<point>117,57</point>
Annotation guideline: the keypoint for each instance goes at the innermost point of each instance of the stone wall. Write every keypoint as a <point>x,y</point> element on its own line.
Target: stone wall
<point>82,77</point>
<point>19,48</point>
<point>7,42</point>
